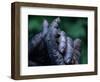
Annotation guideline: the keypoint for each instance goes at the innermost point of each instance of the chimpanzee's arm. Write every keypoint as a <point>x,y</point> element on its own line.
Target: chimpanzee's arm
<point>54,55</point>
<point>53,52</point>
<point>69,51</point>
<point>36,40</point>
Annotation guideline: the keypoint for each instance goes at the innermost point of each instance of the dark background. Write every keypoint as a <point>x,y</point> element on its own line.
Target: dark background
<point>75,27</point>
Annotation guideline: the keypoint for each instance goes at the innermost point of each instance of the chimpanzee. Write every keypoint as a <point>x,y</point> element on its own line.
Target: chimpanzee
<point>52,46</point>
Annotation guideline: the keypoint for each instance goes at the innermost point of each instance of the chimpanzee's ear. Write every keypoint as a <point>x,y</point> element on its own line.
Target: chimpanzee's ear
<point>45,23</point>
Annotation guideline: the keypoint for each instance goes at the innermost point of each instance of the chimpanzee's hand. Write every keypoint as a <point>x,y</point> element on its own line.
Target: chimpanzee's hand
<point>76,51</point>
<point>45,27</point>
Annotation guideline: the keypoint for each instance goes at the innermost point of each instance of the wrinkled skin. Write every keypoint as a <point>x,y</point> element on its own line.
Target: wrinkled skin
<point>62,42</point>
<point>54,55</point>
<point>53,47</point>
